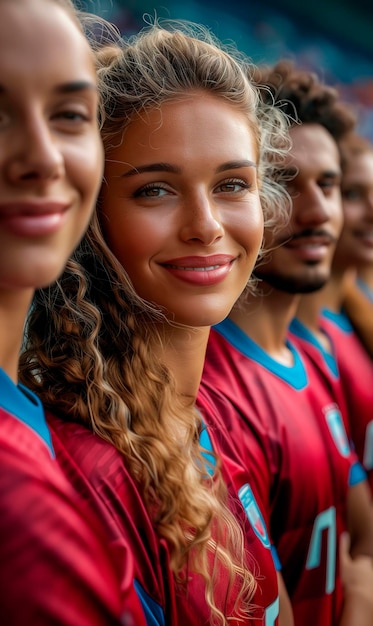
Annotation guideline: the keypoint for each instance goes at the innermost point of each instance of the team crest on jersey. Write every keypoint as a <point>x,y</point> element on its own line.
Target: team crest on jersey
<point>337,430</point>
<point>250,505</point>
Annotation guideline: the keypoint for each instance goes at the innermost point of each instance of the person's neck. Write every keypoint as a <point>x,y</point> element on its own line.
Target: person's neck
<point>13,310</point>
<point>332,294</point>
<point>265,318</point>
<point>310,306</point>
<point>183,352</point>
<point>329,297</point>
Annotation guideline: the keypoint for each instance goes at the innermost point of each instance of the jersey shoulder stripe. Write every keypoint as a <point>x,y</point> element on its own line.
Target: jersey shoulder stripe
<point>25,406</point>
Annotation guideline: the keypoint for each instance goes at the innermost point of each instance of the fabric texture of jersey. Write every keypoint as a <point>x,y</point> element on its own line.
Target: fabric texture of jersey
<point>246,504</point>
<point>324,361</point>
<point>98,473</point>
<point>291,436</point>
<point>356,372</point>
<point>54,565</point>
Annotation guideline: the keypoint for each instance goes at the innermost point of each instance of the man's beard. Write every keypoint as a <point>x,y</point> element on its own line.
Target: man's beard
<point>291,284</point>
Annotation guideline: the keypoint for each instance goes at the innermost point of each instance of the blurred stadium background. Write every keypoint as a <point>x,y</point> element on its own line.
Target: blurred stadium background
<point>332,37</point>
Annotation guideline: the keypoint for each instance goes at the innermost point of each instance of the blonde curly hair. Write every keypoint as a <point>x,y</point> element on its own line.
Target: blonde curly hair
<point>91,341</point>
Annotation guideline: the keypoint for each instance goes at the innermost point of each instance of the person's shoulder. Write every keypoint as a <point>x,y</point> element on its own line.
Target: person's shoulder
<point>23,427</point>
<point>78,442</point>
<point>26,451</point>
<point>96,469</point>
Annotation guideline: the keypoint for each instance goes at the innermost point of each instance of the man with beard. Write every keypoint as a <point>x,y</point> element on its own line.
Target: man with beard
<point>330,319</point>
<point>281,408</point>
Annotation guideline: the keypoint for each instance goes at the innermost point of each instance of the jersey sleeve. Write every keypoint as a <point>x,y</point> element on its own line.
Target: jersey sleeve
<point>54,567</point>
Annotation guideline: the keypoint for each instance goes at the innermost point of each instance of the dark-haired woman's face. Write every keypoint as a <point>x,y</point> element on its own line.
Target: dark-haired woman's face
<point>51,157</point>
<point>181,209</point>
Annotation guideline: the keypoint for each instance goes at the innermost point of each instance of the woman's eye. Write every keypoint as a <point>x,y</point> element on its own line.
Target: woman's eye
<point>150,191</point>
<point>233,186</point>
<point>73,116</point>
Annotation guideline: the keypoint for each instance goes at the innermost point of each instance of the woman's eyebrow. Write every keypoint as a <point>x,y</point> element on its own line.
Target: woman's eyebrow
<point>76,85</point>
<point>235,165</point>
<point>152,167</point>
<point>70,87</point>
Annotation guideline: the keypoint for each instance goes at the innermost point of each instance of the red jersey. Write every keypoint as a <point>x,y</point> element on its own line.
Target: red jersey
<point>98,472</point>
<point>245,503</point>
<point>54,564</point>
<point>324,361</point>
<point>356,373</point>
<point>290,434</point>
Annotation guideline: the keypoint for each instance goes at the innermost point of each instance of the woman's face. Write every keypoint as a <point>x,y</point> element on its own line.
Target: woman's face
<point>355,245</point>
<point>51,157</point>
<point>181,209</point>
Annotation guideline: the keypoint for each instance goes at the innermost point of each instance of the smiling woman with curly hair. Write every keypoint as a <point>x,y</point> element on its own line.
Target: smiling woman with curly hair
<point>116,347</point>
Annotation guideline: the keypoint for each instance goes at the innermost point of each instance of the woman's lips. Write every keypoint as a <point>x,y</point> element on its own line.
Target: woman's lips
<point>32,218</point>
<point>200,270</point>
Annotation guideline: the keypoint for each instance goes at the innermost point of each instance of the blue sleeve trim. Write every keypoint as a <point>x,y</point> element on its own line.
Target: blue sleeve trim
<point>276,559</point>
<point>153,612</point>
<point>205,442</point>
<point>25,406</point>
<point>357,474</point>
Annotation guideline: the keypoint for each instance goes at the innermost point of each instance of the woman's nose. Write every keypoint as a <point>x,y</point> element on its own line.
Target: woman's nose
<point>202,220</point>
<point>35,153</point>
